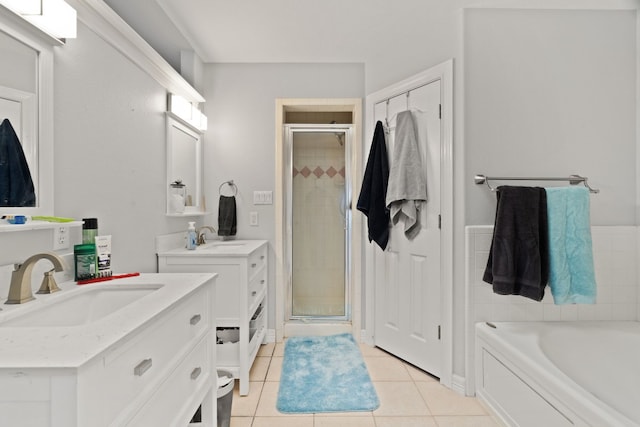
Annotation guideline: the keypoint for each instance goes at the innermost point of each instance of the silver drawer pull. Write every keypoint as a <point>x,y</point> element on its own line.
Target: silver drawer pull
<point>142,367</point>
<point>195,373</point>
<point>254,265</point>
<point>195,319</point>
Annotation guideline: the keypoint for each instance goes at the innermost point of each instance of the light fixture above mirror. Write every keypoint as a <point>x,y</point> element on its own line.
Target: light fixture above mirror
<point>54,17</point>
<point>187,111</point>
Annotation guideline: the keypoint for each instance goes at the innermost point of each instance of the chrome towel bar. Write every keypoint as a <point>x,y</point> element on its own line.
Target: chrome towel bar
<point>572,179</point>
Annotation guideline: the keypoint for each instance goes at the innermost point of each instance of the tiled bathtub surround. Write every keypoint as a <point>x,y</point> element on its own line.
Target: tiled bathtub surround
<point>615,257</point>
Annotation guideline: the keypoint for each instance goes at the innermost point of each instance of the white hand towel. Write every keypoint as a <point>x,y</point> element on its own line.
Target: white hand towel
<point>407,188</point>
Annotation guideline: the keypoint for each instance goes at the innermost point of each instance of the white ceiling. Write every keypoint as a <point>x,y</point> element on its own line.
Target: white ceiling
<point>392,38</point>
<point>279,30</point>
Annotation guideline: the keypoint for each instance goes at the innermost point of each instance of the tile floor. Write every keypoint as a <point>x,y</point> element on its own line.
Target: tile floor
<point>408,398</point>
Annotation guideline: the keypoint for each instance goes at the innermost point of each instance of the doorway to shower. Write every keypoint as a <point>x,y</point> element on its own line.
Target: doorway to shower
<point>318,218</point>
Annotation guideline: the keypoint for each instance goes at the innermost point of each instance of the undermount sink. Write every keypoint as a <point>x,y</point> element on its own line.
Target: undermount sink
<point>221,246</point>
<point>81,307</point>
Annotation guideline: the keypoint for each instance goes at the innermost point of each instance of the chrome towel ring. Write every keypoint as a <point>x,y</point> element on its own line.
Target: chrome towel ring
<point>231,184</point>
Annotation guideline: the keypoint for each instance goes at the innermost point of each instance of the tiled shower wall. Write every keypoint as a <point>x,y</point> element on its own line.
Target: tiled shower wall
<point>615,256</point>
<point>318,227</point>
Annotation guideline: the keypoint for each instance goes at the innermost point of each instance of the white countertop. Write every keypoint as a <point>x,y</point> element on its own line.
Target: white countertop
<point>218,248</point>
<point>72,346</point>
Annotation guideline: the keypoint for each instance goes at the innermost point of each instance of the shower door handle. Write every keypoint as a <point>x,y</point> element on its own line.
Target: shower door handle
<point>344,208</point>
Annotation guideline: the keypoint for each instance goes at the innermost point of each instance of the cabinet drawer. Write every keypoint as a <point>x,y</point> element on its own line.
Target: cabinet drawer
<point>257,321</point>
<point>177,396</point>
<point>138,365</point>
<point>256,287</point>
<point>257,260</point>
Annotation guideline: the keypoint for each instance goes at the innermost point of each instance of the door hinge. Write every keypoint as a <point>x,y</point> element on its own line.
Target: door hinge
<point>439,222</point>
<point>439,332</point>
<point>440,111</point>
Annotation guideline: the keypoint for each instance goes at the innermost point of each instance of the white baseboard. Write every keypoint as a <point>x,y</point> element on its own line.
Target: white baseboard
<point>301,329</point>
<point>458,384</point>
<point>270,336</point>
<point>365,338</point>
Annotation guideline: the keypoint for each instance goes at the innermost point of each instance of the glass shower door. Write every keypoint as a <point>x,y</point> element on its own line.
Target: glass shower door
<point>319,223</point>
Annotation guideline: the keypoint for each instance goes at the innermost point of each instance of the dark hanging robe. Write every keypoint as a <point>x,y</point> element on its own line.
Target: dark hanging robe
<point>16,185</point>
<point>374,190</point>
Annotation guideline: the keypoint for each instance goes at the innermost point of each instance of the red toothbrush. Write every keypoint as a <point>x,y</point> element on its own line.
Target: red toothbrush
<point>104,279</point>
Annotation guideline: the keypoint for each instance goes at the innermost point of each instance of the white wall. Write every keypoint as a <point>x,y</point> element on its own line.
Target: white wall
<point>434,32</point>
<point>240,141</point>
<point>408,46</point>
<point>110,155</point>
<point>554,98</point>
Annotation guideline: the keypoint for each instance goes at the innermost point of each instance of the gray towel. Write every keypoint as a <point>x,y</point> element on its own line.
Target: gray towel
<point>407,187</point>
<point>227,221</point>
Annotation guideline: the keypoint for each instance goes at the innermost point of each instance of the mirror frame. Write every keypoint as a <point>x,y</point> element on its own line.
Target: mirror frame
<point>18,28</point>
<point>176,123</point>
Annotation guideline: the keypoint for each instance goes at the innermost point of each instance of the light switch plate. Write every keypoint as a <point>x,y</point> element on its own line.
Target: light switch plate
<point>263,197</point>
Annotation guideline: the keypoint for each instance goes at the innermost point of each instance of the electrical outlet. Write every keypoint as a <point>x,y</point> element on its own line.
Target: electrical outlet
<point>253,219</point>
<point>60,237</point>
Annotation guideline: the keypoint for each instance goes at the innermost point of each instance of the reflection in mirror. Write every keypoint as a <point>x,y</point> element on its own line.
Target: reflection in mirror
<point>26,101</point>
<point>16,185</point>
<point>184,168</point>
<point>184,157</point>
<point>18,128</point>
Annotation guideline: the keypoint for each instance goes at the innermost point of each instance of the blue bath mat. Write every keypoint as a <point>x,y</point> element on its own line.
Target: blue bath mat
<point>325,374</point>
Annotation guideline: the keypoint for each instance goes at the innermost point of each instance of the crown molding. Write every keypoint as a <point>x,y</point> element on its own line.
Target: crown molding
<point>105,22</point>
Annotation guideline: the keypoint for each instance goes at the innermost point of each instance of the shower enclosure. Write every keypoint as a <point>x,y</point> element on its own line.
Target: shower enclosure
<point>318,222</point>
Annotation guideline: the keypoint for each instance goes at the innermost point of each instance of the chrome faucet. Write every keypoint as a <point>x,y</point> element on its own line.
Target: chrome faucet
<point>201,239</point>
<point>20,289</point>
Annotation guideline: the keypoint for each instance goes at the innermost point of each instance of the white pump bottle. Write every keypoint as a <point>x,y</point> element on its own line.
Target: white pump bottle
<point>191,236</point>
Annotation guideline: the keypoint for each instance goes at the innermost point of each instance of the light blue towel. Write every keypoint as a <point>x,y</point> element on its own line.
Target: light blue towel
<point>571,273</point>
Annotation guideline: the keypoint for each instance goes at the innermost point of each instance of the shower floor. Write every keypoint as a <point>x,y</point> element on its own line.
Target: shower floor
<point>318,307</point>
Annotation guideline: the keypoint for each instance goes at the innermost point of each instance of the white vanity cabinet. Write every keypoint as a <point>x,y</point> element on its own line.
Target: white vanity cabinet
<point>241,296</point>
<point>180,341</point>
<point>148,364</point>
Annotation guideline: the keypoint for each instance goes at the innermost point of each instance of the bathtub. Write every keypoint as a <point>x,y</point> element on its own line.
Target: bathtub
<point>560,373</point>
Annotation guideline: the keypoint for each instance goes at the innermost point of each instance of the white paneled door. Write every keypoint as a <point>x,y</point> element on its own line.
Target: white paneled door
<point>408,273</point>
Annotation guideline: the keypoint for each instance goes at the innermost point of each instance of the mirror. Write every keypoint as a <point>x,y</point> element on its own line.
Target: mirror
<point>184,165</point>
<point>26,101</point>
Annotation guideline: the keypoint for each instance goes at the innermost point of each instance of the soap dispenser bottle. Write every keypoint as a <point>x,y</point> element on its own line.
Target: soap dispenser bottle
<point>191,236</point>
